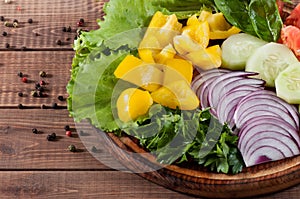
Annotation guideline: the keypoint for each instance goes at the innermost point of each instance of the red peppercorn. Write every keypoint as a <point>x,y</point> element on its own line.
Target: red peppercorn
<point>79,23</point>
<point>24,79</point>
<point>42,82</point>
<point>68,133</point>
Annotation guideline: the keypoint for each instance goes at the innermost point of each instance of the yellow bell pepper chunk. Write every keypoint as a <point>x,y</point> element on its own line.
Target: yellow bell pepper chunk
<point>133,103</point>
<point>178,69</point>
<point>219,27</point>
<point>134,70</point>
<point>198,31</point>
<point>127,64</point>
<point>167,53</point>
<point>160,32</point>
<point>177,94</point>
<point>206,59</point>
<point>184,44</point>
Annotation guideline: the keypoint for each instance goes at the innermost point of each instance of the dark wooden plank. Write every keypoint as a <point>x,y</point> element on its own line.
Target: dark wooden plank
<point>56,64</point>
<point>21,149</point>
<point>91,184</point>
<point>48,19</point>
<point>108,185</point>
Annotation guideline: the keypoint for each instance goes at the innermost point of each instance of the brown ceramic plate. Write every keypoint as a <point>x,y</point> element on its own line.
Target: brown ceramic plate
<point>257,180</point>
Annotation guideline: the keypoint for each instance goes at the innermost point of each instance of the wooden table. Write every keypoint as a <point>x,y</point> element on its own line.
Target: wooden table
<point>31,166</point>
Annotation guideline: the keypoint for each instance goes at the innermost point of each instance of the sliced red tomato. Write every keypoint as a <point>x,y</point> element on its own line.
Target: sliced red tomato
<point>294,17</point>
<point>290,36</point>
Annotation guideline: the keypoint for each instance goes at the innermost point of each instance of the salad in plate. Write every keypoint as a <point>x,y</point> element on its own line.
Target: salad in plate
<point>209,82</point>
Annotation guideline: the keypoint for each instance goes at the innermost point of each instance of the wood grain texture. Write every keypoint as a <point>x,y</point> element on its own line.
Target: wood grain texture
<point>57,65</point>
<point>81,185</point>
<point>48,19</point>
<point>21,149</point>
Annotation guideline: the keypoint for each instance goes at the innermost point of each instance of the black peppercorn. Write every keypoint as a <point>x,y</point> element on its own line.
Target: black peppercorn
<point>35,131</point>
<point>64,29</point>
<point>60,98</point>
<point>72,148</point>
<point>69,29</point>
<point>7,45</point>
<point>15,21</point>
<point>20,106</point>
<point>67,127</point>
<point>51,137</point>
<point>43,106</point>
<point>4,34</point>
<point>30,20</point>
<point>58,42</point>
<point>2,18</point>
<point>20,94</point>
<point>41,89</point>
<point>81,20</point>
<point>20,74</point>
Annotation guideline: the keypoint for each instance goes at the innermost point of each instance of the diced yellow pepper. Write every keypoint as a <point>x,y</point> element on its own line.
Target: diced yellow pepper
<point>184,44</point>
<point>198,31</point>
<point>134,70</point>
<point>167,53</point>
<point>160,32</point>
<point>127,64</point>
<point>206,59</point>
<point>219,27</point>
<point>133,103</point>
<point>177,94</point>
<point>178,69</point>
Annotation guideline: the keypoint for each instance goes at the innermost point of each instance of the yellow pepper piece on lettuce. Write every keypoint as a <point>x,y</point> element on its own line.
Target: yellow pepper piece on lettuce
<point>160,32</point>
<point>135,71</point>
<point>133,103</point>
<point>219,27</point>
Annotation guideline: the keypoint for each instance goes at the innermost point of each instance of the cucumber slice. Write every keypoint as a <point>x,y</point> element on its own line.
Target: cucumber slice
<point>288,84</point>
<point>269,60</point>
<point>237,48</point>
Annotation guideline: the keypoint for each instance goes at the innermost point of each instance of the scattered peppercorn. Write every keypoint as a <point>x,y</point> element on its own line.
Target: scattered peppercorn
<point>51,137</point>
<point>43,106</point>
<point>67,127</point>
<point>58,42</point>
<point>81,20</point>
<point>20,106</point>
<point>69,29</point>
<point>72,148</point>
<point>24,79</point>
<point>41,89</point>
<point>20,94</point>
<point>37,34</point>
<point>20,74</point>
<point>43,74</point>
<point>37,85</point>
<point>60,98</point>
<point>34,94</point>
<point>4,34</point>
<point>2,18</point>
<point>79,24</point>
<point>30,20</point>
<point>15,21</point>
<point>69,133</point>
<point>7,45</point>
<point>64,29</point>
<point>42,82</point>
<point>35,131</point>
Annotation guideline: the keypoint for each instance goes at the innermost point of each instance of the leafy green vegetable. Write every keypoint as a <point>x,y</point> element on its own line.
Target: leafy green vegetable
<point>256,17</point>
<point>176,136</point>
